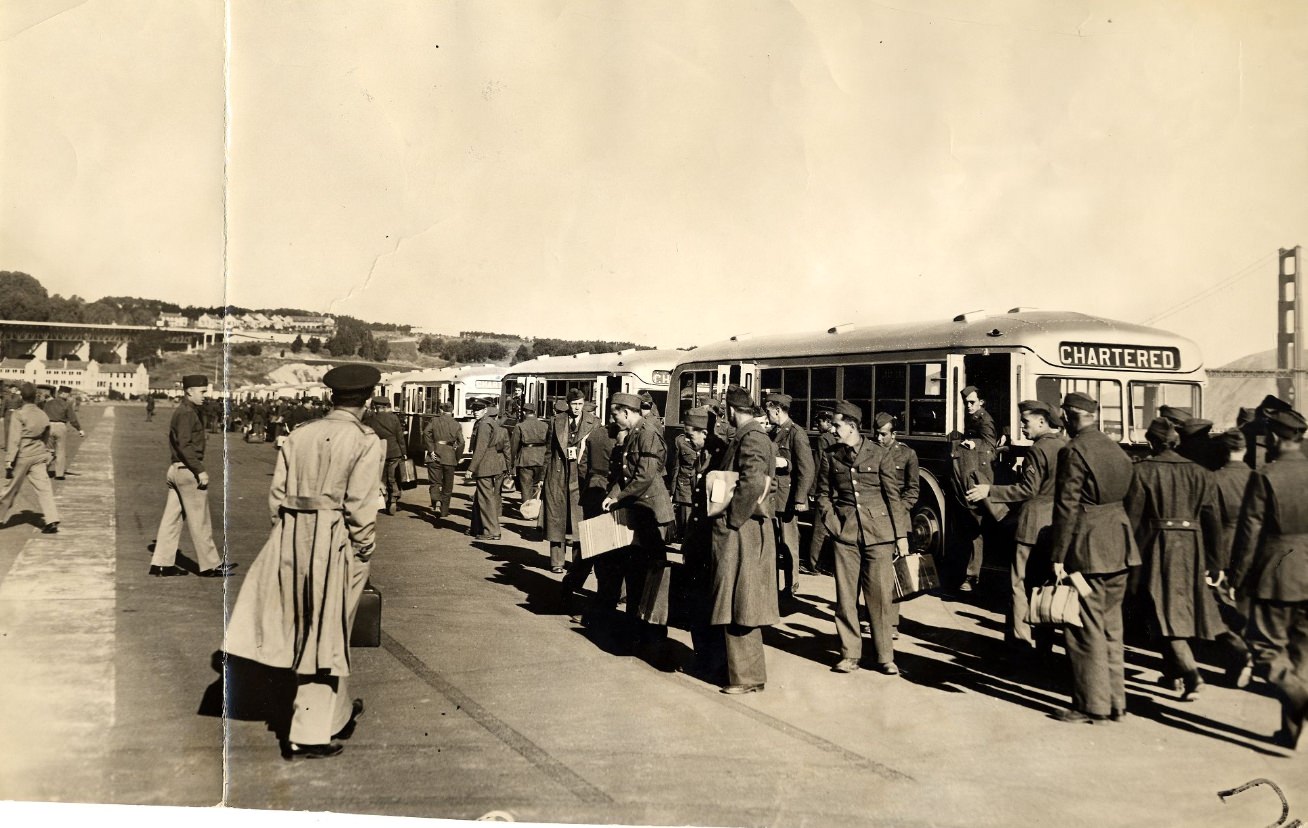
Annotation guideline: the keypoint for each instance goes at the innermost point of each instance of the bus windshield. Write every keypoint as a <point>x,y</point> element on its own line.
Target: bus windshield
<point>1107,391</point>
<point>1148,397</point>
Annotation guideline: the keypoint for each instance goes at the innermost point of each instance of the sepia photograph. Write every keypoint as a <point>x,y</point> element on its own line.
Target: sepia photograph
<point>749,413</point>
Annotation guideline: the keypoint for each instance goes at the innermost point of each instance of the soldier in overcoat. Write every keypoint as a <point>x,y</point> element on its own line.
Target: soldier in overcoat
<point>1269,566</point>
<point>858,492</point>
<point>602,449</point>
<point>487,467</point>
<point>297,605</point>
<point>744,549</point>
<point>386,425</point>
<point>1232,481</point>
<point>442,439</point>
<point>1091,534</point>
<point>794,476</point>
<point>1172,504</point>
<point>562,490</point>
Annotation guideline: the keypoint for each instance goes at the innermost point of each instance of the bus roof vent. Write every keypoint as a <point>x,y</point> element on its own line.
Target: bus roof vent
<point>739,337</point>
<point>994,332</point>
<point>971,316</point>
<point>583,353</point>
<point>841,328</point>
<point>1021,309</point>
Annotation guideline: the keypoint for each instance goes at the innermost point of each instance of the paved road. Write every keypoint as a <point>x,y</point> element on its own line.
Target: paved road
<point>485,697</point>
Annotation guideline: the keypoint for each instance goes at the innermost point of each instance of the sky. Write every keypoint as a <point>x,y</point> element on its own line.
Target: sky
<point>667,173</point>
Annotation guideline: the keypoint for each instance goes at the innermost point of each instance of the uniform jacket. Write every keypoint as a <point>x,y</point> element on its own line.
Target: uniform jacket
<point>442,438</point>
<point>186,436</point>
<point>29,432</point>
<point>795,476</point>
<point>60,410</point>
<point>1034,489</point>
<point>638,484</point>
<point>387,427</point>
<point>689,465</point>
<point>594,469</point>
<point>1269,559</point>
<point>490,448</point>
<point>1232,481</point>
<point>751,454</point>
<point>527,443</point>
<point>858,495</point>
<point>744,561</point>
<point>1091,532</point>
<point>910,477</point>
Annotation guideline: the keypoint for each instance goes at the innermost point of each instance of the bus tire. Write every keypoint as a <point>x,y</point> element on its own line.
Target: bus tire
<point>927,531</point>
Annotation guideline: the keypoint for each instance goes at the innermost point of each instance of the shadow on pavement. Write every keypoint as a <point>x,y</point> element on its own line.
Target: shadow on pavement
<point>255,693</point>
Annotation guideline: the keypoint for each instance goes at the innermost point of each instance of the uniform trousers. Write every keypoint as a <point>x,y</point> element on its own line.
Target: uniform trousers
<point>1096,650</point>
<point>59,446</point>
<point>528,478</point>
<point>486,505</point>
<point>817,544</point>
<point>868,570</point>
<point>322,702</point>
<point>1026,559</point>
<point>788,539</point>
<point>440,484</point>
<point>185,502</point>
<point>34,473</point>
<point>1278,636</point>
<point>390,476</point>
<point>745,655</point>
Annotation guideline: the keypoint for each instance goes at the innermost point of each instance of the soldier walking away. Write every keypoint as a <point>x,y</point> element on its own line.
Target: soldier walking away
<point>62,414</point>
<point>187,497</point>
<point>443,440</point>
<point>386,425</point>
<point>149,408</point>
<point>297,607</point>
<point>527,449</point>
<point>794,476</point>
<point>26,459</point>
<point>1232,481</point>
<point>489,463</point>
<point>1092,535</point>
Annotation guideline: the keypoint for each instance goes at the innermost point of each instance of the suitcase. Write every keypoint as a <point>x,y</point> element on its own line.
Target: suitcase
<point>407,473</point>
<point>367,619</point>
<point>915,574</point>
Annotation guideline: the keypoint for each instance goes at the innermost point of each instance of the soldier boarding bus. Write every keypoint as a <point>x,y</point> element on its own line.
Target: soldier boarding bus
<point>916,371</point>
<point>422,391</point>
<point>538,383</point>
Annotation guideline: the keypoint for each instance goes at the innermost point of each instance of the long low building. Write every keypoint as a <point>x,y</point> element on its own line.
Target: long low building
<point>91,377</point>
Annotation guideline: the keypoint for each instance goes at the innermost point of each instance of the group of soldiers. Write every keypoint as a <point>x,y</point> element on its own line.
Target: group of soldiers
<point>34,443</point>
<point>264,420</point>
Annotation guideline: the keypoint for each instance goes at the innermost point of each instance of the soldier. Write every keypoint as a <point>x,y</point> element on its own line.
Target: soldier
<point>187,498</point>
<point>562,488</point>
<point>300,414</point>
<point>149,408</point>
<point>527,449</point>
<point>387,427</point>
<point>1091,534</point>
<point>650,409</point>
<point>10,400</point>
<point>697,542</point>
<point>602,445</point>
<point>744,549</point>
<point>442,438</point>
<point>62,414</point>
<point>1172,503</point>
<point>490,461</point>
<point>1269,566</point>
<point>26,458</point>
<point>1232,481</point>
<point>296,609</point>
<point>981,437</point>
<point>794,476</point>
<point>1197,445</point>
<point>1035,491</point>
<point>858,495</point>
<point>826,429</point>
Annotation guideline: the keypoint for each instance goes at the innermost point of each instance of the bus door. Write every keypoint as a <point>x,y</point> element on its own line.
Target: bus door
<point>993,376</point>
<point>538,399</point>
<point>744,374</point>
<point>613,385</point>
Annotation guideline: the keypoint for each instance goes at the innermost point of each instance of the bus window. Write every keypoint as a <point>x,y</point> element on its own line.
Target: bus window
<point>1107,392</point>
<point>926,390</point>
<point>697,388</point>
<point>1148,397</point>
<point>858,390</point>
<point>892,391</point>
<point>822,388</point>
<point>794,381</point>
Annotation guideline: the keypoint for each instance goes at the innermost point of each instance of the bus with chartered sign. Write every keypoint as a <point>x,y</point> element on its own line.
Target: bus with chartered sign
<point>916,371</point>
<point>536,384</point>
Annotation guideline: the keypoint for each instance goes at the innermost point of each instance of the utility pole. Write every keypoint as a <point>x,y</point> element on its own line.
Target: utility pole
<point>1289,328</point>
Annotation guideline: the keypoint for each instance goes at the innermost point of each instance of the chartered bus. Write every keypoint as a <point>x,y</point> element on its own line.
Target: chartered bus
<point>422,391</point>
<point>537,383</point>
<point>915,371</point>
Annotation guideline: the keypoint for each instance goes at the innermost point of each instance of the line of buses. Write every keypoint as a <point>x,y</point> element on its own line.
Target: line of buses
<point>913,371</point>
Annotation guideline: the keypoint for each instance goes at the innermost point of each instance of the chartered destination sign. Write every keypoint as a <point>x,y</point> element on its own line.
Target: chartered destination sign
<point>1132,357</point>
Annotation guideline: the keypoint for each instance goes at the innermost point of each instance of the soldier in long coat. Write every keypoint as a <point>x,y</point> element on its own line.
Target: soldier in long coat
<point>694,587</point>
<point>562,490</point>
<point>817,544</point>
<point>1172,504</point>
<point>603,447</point>
<point>1269,566</point>
<point>744,549</point>
<point>794,476</point>
<point>1232,481</point>
<point>442,439</point>
<point>297,605</point>
<point>386,425</point>
<point>487,467</point>
<point>1092,535</point>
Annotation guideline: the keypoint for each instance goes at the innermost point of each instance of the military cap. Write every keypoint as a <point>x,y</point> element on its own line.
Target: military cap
<point>1287,422</point>
<point>1162,430</point>
<point>1176,415</point>
<point>194,381</point>
<point>738,397</point>
<point>351,377</point>
<point>560,407</point>
<point>882,419</point>
<point>476,405</point>
<point>1233,439</point>
<point>848,411</point>
<point>64,389</point>
<point>823,414</point>
<point>1246,416</point>
<point>589,406</point>
<point>1196,426</point>
<point>971,389</point>
<point>1085,402</point>
<point>575,394</point>
<point>1273,403</point>
<point>779,399</point>
<point>1041,407</point>
<point>646,397</point>
<point>492,411</point>
<point>629,400</point>
<point>696,418</point>
<point>380,401</point>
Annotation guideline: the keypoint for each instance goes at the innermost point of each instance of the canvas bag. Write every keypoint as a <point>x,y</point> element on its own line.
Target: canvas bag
<point>1055,603</point>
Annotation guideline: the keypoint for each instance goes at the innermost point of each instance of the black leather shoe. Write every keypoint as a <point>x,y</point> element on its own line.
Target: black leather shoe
<point>224,570</point>
<point>294,751</point>
<point>50,528</point>
<point>740,689</point>
<point>356,710</point>
<point>1073,716</point>
<point>1117,715</point>
<point>166,571</point>
<point>846,665</point>
<point>887,669</point>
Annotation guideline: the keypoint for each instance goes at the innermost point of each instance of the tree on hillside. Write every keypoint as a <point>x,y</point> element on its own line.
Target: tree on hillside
<point>66,310</point>
<point>297,345</point>
<point>522,354</point>
<point>23,297</point>
<point>315,344</point>
<point>100,313</point>
<point>381,350</point>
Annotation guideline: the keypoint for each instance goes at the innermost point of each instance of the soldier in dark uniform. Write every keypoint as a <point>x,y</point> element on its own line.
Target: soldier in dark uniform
<point>602,448</point>
<point>386,424</point>
<point>527,448</point>
<point>1175,415</point>
<point>1269,566</point>
<point>1035,491</point>
<point>695,588</point>
<point>149,408</point>
<point>442,439</point>
<point>1092,535</point>
<point>649,409</point>
<point>562,489</point>
<point>1197,445</point>
<point>744,550</point>
<point>981,437</point>
<point>794,476</point>
<point>1173,505</point>
<point>489,463</point>
<point>910,478</point>
<point>817,544</point>
<point>300,414</point>
<point>858,492</point>
<point>1232,481</point>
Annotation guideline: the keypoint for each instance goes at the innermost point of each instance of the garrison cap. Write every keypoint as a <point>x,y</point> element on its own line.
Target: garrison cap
<point>64,389</point>
<point>1162,430</point>
<point>194,381</point>
<point>882,419</point>
<point>1084,402</point>
<point>629,400</point>
<point>560,406</point>
<point>646,398</point>
<point>380,401</point>
<point>1176,415</point>
<point>1041,407</point>
<point>1245,416</point>
<point>1273,403</point>
<point>696,418</point>
<point>779,399</point>
<point>492,410</point>
<point>575,394</point>
<point>1287,422</point>
<point>476,405</point>
<point>1233,439</point>
<point>738,397</point>
<point>971,389</point>
<point>351,377</point>
<point>848,411</point>
<point>1196,427</point>
<point>589,406</point>
<point>823,414</point>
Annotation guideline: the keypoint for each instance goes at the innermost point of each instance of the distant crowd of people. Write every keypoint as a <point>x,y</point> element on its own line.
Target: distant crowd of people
<point>34,443</point>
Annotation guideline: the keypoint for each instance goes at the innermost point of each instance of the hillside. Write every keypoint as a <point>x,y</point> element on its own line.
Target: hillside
<point>271,367</point>
<point>1226,395</point>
